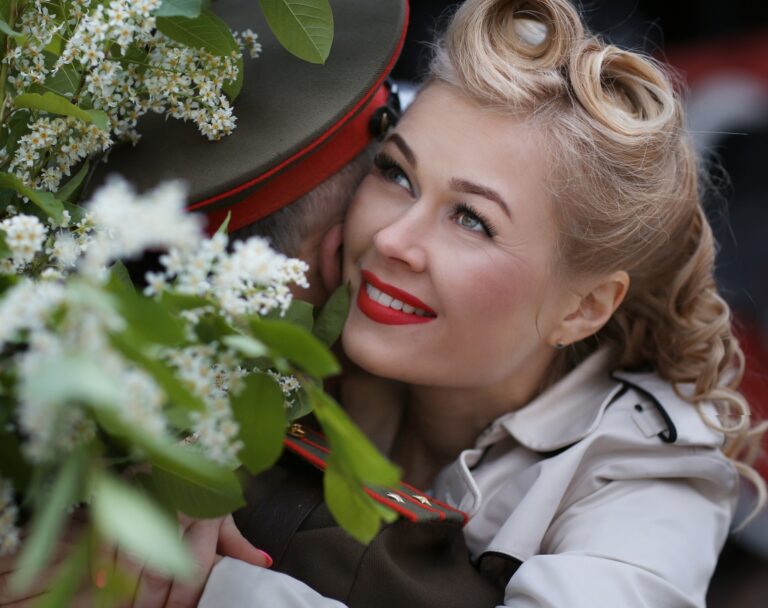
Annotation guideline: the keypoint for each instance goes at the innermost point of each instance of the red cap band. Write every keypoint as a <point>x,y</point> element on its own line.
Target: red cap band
<point>321,159</point>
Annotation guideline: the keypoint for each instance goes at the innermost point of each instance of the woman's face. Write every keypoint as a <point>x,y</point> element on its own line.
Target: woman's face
<point>453,227</point>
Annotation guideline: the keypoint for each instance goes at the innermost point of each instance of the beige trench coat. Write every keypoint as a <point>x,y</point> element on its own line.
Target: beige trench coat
<point>605,491</point>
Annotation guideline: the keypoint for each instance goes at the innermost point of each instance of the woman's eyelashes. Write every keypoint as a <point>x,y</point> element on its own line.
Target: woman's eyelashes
<point>464,214</point>
<point>391,170</point>
<point>468,217</point>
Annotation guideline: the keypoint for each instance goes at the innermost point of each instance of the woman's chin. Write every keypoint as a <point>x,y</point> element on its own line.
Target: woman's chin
<point>378,358</point>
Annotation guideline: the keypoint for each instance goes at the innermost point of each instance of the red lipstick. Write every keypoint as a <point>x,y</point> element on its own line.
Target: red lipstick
<point>384,314</point>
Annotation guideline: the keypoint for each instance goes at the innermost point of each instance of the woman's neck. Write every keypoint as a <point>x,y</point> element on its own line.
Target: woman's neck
<point>438,423</point>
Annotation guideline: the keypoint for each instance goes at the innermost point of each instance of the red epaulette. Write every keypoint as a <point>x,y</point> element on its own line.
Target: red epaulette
<point>404,499</point>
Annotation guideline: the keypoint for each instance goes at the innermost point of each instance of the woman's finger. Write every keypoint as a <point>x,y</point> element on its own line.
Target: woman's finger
<point>201,537</point>
<point>153,589</point>
<point>233,544</point>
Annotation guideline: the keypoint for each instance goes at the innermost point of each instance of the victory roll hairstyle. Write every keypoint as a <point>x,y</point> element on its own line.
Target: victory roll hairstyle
<point>625,183</point>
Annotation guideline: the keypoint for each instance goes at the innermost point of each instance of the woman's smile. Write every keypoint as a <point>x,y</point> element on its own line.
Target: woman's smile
<point>385,303</point>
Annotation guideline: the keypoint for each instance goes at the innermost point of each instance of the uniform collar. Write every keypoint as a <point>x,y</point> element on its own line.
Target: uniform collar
<point>566,412</point>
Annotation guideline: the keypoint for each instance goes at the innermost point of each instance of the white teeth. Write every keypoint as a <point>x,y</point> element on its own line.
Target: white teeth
<point>387,300</point>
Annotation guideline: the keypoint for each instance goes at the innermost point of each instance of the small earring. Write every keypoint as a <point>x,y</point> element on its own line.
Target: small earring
<point>559,346</point>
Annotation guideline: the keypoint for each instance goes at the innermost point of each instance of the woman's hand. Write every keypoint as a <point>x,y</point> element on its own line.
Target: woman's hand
<point>208,539</point>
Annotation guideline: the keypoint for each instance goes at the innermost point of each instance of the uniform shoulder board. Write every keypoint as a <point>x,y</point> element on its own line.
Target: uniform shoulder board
<point>404,499</point>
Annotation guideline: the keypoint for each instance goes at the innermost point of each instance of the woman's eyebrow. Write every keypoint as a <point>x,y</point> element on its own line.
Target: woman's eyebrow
<point>403,147</point>
<point>463,185</point>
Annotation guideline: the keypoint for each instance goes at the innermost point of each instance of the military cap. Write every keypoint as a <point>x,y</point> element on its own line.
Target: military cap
<point>297,123</point>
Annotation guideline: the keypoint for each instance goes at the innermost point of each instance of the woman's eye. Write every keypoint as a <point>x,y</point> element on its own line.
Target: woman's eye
<point>467,220</point>
<point>397,176</point>
<point>466,217</point>
<point>390,170</point>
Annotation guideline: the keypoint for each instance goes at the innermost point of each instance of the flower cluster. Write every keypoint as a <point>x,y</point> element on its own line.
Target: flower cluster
<point>63,322</point>
<point>52,147</point>
<point>250,279</point>
<point>125,223</point>
<point>24,235</point>
<point>288,384</point>
<point>9,533</point>
<point>248,40</point>
<point>113,59</point>
<point>212,376</point>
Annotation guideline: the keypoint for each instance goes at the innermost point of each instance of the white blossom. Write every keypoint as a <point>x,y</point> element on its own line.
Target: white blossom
<point>27,306</point>
<point>127,223</point>
<point>288,384</point>
<point>24,235</point>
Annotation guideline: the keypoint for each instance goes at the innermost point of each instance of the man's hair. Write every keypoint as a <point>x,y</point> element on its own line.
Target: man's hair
<point>288,227</point>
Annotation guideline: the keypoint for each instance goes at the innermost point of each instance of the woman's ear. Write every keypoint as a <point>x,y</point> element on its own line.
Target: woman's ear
<point>329,257</point>
<point>594,310</point>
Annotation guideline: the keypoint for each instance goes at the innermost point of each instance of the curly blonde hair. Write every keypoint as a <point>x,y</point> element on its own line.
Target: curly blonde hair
<point>626,188</point>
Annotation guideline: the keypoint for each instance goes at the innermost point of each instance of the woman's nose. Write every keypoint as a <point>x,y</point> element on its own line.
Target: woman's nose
<point>403,241</point>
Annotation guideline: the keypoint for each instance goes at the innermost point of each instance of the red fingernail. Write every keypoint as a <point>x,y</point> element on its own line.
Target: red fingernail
<point>267,557</point>
<point>100,578</point>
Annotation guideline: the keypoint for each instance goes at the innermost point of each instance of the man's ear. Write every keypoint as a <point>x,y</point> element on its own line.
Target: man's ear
<point>594,310</point>
<point>329,257</point>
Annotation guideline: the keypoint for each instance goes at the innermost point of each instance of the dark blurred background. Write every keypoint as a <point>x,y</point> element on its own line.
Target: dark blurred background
<point>721,51</point>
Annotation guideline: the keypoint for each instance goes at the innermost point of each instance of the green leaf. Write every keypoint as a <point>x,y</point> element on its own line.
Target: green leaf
<point>207,31</point>
<point>259,411</point>
<point>48,520</point>
<point>5,251</point>
<point>56,104</point>
<point>127,517</point>
<point>303,27</point>
<point>19,126</point>
<point>75,377</point>
<point>65,81</point>
<point>300,313</point>
<point>147,319</point>
<point>225,224</point>
<point>6,29</point>
<point>246,345</point>
<point>350,505</point>
<point>182,301</point>
<point>299,405</point>
<point>331,319</point>
<point>119,272</point>
<point>180,8</point>
<point>183,461</point>
<point>212,328</point>
<point>297,345</point>
<point>352,449</point>
<point>69,191</point>
<point>190,498</point>
<point>210,33</point>
<point>46,201</point>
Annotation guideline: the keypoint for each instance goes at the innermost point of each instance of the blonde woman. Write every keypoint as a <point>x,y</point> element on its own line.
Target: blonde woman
<point>531,259</point>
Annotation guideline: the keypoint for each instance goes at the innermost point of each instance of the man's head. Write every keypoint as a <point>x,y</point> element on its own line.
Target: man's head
<point>303,138</point>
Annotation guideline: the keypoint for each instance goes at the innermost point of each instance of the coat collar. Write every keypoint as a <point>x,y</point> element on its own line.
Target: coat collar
<point>566,412</point>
